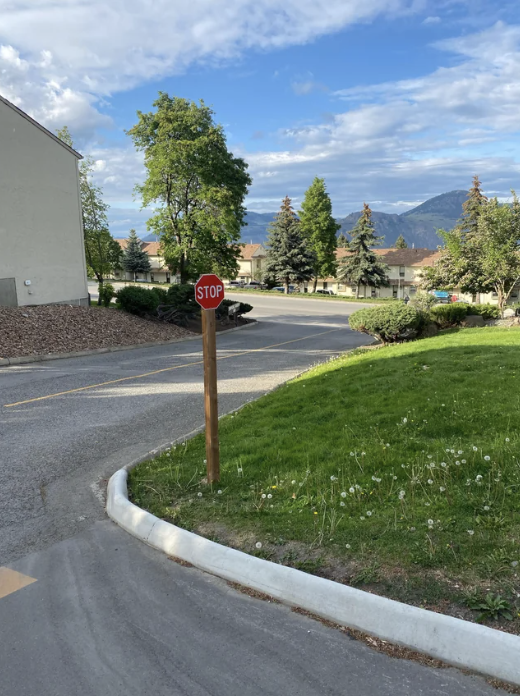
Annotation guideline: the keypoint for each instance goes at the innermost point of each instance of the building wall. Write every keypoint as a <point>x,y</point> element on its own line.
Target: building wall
<point>41,236</point>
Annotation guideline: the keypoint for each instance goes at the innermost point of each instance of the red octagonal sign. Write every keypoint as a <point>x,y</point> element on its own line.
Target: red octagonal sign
<point>209,291</point>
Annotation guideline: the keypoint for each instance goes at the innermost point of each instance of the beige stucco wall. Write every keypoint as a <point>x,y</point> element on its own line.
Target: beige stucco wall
<point>41,237</point>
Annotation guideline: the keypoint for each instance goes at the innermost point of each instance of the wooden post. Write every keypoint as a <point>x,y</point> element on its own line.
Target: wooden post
<point>209,346</point>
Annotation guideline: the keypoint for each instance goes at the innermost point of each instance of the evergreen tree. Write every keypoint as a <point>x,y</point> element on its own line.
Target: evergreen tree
<point>289,258</point>
<point>400,243</point>
<point>135,260</point>
<point>103,254</point>
<point>342,241</point>
<point>319,228</point>
<point>362,266</point>
<point>472,208</point>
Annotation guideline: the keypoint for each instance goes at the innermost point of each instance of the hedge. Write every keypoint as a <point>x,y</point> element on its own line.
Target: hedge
<point>390,323</point>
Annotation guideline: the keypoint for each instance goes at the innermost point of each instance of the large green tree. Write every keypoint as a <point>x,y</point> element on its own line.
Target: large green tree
<point>197,186</point>
<point>363,266</point>
<point>135,260</point>
<point>400,243</point>
<point>320,228</point>
<point>289,257</point>
<point>103,254</point>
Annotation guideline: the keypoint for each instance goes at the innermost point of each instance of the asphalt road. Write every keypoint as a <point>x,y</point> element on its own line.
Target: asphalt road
<point>106,615</point>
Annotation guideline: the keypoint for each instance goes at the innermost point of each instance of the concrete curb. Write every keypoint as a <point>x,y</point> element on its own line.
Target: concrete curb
<point>25,359</point>
<point>452,640</point>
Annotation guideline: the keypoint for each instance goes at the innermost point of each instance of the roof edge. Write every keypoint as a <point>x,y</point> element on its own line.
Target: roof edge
<point>39,125</point>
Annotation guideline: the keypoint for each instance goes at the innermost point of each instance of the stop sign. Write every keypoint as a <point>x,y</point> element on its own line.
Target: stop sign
<point>209,291</point>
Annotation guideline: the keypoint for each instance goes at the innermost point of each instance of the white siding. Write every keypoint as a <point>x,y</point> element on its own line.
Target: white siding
<point>41,236</point>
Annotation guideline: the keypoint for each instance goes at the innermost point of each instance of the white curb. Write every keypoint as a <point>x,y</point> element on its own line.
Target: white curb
<point>454,641</point>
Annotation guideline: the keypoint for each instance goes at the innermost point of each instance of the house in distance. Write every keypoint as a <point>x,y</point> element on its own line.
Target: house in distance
<point>42,255</point>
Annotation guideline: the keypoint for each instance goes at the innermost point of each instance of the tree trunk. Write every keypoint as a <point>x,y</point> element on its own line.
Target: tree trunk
<point>100,288</point>
<point>315,284</point>
<point>182,270</point>
<point>286,286</point>
<point>501,301</point>
<point>357,291</point>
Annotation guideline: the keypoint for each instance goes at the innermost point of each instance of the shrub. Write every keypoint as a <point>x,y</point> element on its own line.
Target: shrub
<point>222,311</point>
<point>106,293</point>
<point>140,301</point>
<point>423,301</point>
<point>182,298</point>
<point>389,323</point>
<point>486,311</point>
<point>449,315</point>
<point>162,294</point>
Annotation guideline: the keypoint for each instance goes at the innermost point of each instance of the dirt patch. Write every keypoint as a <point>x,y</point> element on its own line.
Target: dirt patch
<point>62,329</point>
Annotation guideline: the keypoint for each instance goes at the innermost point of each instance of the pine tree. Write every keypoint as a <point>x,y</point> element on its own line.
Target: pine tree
<point>319,228</point>
<point>362,266</point>
<point>472,208</point>
<point>400,243</point>
<point>135,260</point>
<point>289,258</point>
<point>342,241</point>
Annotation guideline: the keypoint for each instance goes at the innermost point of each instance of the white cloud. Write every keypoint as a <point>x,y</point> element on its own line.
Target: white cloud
<point>432,20</point>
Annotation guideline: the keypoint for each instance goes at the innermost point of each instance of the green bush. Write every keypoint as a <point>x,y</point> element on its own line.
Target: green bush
<point>139,301</point>
<point>449,314</point>
<point>162,294</point>
<point>486,311</point>
<point>423,301</point>
<point>389,323</point>
<point>182,298</point>
<point>106,293</point>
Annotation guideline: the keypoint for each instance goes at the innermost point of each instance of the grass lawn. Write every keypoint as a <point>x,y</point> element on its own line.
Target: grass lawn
<point>396,470</point>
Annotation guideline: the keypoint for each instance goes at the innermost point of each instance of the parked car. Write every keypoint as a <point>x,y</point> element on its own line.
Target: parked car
<point>254,284</point>
<point>324,292</point>
<point>280,288</point>
<point>236,284</point>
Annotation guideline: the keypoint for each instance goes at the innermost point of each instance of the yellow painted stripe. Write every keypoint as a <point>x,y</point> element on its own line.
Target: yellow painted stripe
<point>12,581</point>
<point>165,369</point>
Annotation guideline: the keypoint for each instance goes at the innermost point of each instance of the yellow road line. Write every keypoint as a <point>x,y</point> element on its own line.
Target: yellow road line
<point>165,369</point>
<point>12,581</point>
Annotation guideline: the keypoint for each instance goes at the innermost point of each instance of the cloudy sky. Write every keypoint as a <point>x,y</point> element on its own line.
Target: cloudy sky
<point>392,101</point>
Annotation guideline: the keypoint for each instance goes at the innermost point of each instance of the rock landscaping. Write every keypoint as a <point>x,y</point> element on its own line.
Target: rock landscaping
<point>62,329</point>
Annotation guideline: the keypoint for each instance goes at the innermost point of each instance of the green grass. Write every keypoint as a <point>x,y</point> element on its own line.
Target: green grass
<point>396,468</point>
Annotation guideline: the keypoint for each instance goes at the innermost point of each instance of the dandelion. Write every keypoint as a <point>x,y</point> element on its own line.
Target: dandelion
<point>487,458</point>
<point>478,478</point>
<point>362,454</point>
<point>395,478</point>
<point>486,508</point>
<point>507,439</point>
<point>447,451</point>
<point>347,546</point>
<point>475,449</point>
<point>430,523</point>
<point>352,454</point>
<point>199,495</point>
<point>343,494</point>
<point>463,461</point>
<point>442,489</point>
<point>239,469</point>
<point>452,451</point>
<point>342,504</point>
<point>258,544</point>
<point>219,492</point>
<point>275,486</point>
<point>470,532</point>
<point>369,513</point>
<point>315,513</point>
<point>362,518</point>
<point>269,496</point>
<point>293,482</point>
<point>351,490</point>
<point>427,504</point>
<point>387,444</point>
<point>401,495</point>
<point>333,478</point>
<point>264,496</point>
<point>412,529</point>
<point>430,481</point>
<point>460,452</point>
<point>444,465</point>
<point>514,563</point>
<point>457,463</point>
<point>430,456</point>
<point>405,421</point>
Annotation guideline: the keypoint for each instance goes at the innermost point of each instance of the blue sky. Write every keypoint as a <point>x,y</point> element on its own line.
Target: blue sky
<point>392,101</point>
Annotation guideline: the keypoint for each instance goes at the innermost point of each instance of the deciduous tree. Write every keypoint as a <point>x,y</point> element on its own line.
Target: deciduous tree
<point>196,184</point>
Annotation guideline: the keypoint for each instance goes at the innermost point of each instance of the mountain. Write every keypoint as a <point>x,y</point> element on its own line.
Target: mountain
<point>418,226</point>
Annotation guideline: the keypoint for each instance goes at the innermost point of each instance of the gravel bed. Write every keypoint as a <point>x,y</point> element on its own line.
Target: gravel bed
<point>63,329</point>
